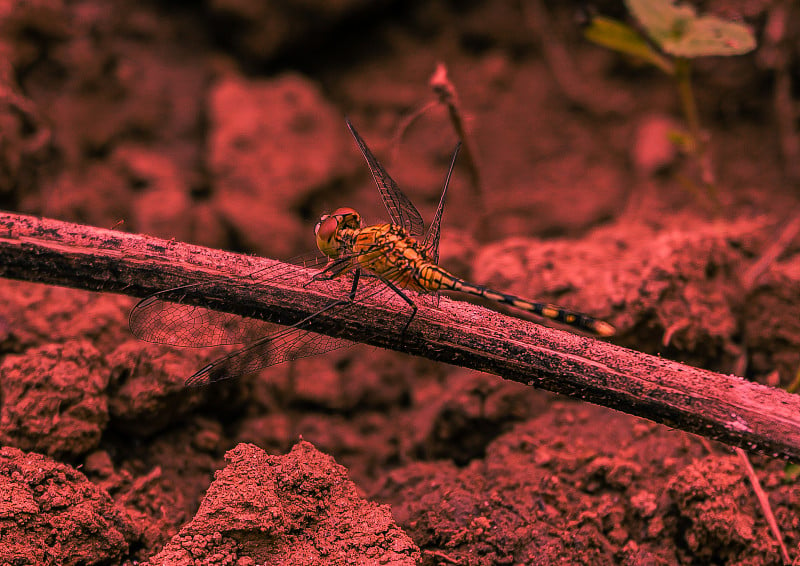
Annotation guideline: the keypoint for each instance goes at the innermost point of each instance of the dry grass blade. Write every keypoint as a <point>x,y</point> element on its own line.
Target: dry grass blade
<point>763,500</point>
<point>772,253</point>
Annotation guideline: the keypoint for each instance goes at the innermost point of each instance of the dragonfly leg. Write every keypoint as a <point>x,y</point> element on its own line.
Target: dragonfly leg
<point>334,269</point>
<point>411,303</point>
<point>356,275</point>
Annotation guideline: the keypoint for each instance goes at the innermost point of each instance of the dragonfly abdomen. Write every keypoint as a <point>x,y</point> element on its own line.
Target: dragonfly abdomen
<point>434,278</point>
<point>388,251</point>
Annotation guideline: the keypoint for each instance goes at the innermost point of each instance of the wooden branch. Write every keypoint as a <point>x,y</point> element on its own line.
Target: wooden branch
<point>720,407</point>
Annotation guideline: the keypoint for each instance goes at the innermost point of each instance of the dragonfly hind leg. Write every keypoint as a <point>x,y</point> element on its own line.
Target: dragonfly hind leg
<point>408,301</point>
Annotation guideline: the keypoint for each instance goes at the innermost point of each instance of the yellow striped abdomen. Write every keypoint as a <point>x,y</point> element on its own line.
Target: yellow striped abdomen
<point>434,278</point>
<point>388,251</point>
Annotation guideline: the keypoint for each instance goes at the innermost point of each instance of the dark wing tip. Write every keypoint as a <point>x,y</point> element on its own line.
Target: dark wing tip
<point>146,301</point>
<point>201,377</point>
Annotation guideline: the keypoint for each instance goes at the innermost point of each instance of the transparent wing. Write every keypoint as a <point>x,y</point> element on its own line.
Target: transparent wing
<point>431,242</point>
<point>291,343</point>
<point>164,318</point>
<point>401,210</point>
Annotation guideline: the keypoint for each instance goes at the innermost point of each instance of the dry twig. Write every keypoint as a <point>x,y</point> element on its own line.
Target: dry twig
<point>721,407</point>
<point>444,89</point>
<point>772,253</point>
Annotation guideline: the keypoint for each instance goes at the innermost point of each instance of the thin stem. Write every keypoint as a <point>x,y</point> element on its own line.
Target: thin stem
<point>683,76</point>
<point>699,147</point>
<point>448,96</point>
<point>763,502</point>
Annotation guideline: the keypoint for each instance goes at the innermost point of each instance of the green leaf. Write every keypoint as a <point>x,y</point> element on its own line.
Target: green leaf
<point>661,18</point>
<point>623,38</point>
<point>708,36</point>
<point>679,31</point>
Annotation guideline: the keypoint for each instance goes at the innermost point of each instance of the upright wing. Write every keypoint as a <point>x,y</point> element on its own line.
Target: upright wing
<point>401,210</point>
<point>431,242</point>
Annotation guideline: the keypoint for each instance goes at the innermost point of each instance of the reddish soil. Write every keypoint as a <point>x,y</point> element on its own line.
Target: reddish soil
<point>222,125</point>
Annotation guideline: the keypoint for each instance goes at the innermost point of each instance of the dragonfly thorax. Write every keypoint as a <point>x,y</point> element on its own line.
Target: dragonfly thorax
<point>332,231</point>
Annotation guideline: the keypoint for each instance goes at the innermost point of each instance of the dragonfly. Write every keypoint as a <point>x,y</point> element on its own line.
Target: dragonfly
<point>383,260</point>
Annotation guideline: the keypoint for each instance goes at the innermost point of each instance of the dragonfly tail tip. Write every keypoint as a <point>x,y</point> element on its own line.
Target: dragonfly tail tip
<point>604,329</point>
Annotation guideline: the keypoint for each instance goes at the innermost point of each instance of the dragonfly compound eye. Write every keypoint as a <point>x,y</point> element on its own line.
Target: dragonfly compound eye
<point>327,231</point>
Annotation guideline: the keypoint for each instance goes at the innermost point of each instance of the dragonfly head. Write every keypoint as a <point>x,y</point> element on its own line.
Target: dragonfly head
<point>329,227</point>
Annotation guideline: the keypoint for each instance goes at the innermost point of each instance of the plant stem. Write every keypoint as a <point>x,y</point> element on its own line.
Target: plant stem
<point>448,96</point>
<point>794,385</point>
<point>699,146</point>
<point>683,75</point>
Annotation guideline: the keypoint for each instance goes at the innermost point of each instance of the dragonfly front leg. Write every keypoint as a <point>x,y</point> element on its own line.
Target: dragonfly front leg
<point>334,269</point>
